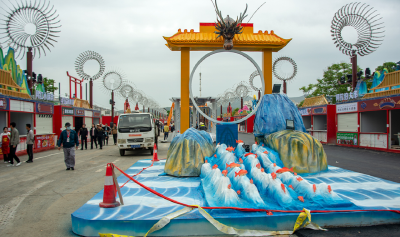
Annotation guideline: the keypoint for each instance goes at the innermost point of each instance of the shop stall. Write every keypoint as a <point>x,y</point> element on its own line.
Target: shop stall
<point>44,136</point>
<point>246,126</point>
<point>319,119</point>
<point>379,123</point>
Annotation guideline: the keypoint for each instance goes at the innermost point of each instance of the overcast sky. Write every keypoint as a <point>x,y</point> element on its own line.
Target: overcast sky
<point>128,34</point>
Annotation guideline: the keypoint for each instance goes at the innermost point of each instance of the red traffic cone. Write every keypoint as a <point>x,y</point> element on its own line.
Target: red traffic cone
<point>155,156</point>
<point>109,190</point>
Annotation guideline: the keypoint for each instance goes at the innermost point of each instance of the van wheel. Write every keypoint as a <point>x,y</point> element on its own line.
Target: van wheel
<point>121,152</point>
<point>151,151</point>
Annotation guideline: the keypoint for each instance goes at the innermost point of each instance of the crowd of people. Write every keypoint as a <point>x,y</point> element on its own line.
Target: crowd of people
<point>68,140</point>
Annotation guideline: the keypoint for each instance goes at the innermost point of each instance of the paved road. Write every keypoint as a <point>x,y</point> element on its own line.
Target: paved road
<point>37,199</point>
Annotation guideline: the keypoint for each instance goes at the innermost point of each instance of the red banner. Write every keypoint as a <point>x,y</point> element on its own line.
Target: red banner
<point>44,141</point>
<point>379,104</point>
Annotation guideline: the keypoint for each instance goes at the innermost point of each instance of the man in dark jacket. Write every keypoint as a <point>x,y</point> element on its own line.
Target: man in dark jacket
<point>107,131</point>
<point>68,138</point>
<point>99,133</point>
<point>83,132</point>
<point>93,136</point>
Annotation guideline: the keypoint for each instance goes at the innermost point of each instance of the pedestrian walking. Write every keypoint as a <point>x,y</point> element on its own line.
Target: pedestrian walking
<point>30,140</point>
<point>14,141</point>
<point>173,127</point>
<point>106,134</point>
<point>68,139</point>
<point>83,132</point>
<point>93,136</point>
<point>166,130</point>
<point>5,144</point>
<point>99,133</point>
<point>114,131</point>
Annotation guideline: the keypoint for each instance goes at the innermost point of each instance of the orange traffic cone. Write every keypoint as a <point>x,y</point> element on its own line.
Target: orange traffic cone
<point>155,156</point>
<point>109,190</point>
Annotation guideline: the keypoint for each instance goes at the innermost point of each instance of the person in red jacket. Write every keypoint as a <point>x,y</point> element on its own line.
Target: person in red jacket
<point>5,144</point>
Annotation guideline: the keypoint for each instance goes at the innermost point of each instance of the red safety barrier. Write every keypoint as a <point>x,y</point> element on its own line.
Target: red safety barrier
<point>238,208</point>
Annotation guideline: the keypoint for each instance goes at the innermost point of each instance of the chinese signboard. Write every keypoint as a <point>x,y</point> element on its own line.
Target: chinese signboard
<point>96,114</point>
<point>346,108</point>
<point>347,138</point>
<point>43,141</point>
<point>387,103</point>
<point>79,112</point>
<point>44,96</point>
<point>306,111</point>
<point>66,101</point>
<point>319,110</point>
<point>3,104</point>
<point>67,111</point>
<point>346,96</point>
<point>43,108</point>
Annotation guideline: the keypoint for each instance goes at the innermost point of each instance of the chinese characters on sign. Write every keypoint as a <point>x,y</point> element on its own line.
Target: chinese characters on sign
<point>67,111</point>
<point>67,101</point>
<point>44,96</point>
<point>345,108</point>
<point>43,141</point>
<point>346,96</point>
<point>347,138</point>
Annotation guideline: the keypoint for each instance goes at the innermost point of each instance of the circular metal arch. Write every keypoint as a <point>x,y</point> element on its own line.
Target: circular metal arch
<point>112,80</point>
<point>365,21</point>
<point>284,77</point>
<point>83,58</point>
<point>38,14</point>
<point>252,76</point>
<point>224,51</point>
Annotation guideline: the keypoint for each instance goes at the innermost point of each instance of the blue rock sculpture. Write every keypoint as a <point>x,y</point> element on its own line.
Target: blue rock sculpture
<point>187,152</point>
<point>272,114</point>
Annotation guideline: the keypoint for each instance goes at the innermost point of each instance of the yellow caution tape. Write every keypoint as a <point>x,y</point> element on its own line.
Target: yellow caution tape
<point>228,229</point>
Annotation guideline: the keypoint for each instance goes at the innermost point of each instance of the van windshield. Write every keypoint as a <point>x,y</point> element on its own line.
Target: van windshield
<point>134,121</point>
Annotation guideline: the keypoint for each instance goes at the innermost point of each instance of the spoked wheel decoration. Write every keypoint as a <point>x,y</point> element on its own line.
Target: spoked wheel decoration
<point>112,80</point>
<point>80,63</point>
<point>30,25</point>
<point>282,74</point>
<point>369,27</point>
<point>365,21</point>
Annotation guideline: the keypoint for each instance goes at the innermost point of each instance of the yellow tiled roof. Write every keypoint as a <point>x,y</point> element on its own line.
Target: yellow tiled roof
<point>205,41</point>
<point>314,101</point>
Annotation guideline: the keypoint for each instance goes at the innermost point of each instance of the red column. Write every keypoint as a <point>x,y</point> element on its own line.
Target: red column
<point>29,59</point>
<point>91,92</point>
<point>354,69</point>
<point>284,87</point>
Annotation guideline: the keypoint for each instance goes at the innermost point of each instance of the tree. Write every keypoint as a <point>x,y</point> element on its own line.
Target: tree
<point>49,85</point>
<point>328,85</point>
<point>235,111</point>
<point>390,66</point>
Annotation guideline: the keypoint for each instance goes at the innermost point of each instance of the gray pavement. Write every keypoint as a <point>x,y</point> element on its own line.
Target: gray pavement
<point>37,199</point>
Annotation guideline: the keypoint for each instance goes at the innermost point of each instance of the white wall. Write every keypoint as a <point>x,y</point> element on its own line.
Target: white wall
<point>373,121</point>
<point>319,122</point>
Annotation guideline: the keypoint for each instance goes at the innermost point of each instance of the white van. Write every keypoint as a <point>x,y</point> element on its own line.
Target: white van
<point>136,131</point>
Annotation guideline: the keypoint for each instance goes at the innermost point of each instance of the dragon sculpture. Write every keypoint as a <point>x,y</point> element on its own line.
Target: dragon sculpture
<point>228,28</point>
